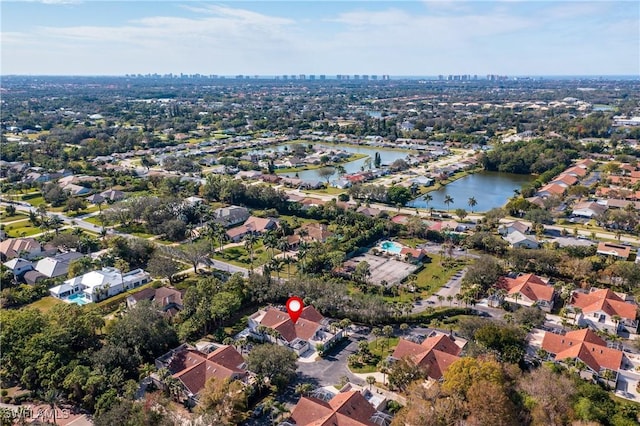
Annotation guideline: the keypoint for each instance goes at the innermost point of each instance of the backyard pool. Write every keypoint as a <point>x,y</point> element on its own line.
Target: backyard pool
<point>391,247</point>
<point>78,299</point>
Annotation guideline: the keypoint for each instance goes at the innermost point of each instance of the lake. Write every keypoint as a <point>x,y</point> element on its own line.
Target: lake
<point>387,156</point>
<point>490,189</point>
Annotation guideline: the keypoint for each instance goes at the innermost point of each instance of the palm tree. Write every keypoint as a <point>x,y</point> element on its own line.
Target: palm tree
<point>448,200</point>
<point>270,241</point>
<point>52,398</point>
<point>427,199</point>
<point>449,299</point>
<point>472,203</point>
<point>249,242</point>
<point>371,381</point>
<point>384,366</point>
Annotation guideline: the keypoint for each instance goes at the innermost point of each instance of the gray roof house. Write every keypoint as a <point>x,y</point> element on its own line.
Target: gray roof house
<point>57,265</point>
<point>230,216</point>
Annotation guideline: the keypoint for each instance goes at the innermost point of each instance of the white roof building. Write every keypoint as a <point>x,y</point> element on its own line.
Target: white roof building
<point>99,285</point>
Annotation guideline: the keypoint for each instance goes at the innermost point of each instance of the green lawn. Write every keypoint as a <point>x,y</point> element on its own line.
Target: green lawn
<point>435,275</point>
<point>96,220</point>
<point>6,218</point>
<point>21,228</point>
<point>35,199</point>
<point>380,348</point>
<point>239,256</point>
<point>45,303</point>
<point>326,191</point>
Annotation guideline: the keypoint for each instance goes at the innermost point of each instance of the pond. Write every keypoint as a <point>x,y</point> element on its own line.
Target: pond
<point>387,156</point>
<point>490,189</point>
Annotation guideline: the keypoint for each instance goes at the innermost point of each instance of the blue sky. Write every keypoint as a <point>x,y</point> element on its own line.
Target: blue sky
<point>76,37</point>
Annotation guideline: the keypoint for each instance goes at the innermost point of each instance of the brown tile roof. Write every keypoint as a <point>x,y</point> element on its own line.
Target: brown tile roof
<point>317,231</point>
<point>165,296</point>
<point>400,219</point>
<point>194,368</point>
<point>14,246</point>
<point>606,301</point>
<point>529,285</point>
<point>415,253</point>
<point>553,188</point>
<point>259,224</point>
<point>305,328</point>
<point>584,345</point>
<point>566,179</point>
<point>614,249</point>
<point>435,353</point>
<point>579,171</point>
<point>345,409</point>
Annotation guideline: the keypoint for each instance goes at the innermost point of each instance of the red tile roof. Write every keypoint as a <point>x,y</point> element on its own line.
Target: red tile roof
<point>584,345</point>
<point>529,285</point>
<point>345,409</point>
<point>305,328</point>
<point>566,179</point>
<point>194,368</point>
<point>553,188</point>
<point>435,353</point>
<point>579,171</point>
<point>606,301</point>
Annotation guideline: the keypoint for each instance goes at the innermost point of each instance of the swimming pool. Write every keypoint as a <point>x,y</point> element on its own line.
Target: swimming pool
<point>78,299</point>
<point>391,247</point>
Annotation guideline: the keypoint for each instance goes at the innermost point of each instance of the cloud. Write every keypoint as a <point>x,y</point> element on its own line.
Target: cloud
<point>390,38</point>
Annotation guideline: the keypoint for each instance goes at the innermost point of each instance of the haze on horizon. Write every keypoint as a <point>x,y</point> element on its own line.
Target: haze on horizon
<point>69,37</point>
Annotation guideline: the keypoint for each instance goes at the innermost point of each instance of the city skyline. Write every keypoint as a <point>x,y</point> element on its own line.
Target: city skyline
<point>516,38</point>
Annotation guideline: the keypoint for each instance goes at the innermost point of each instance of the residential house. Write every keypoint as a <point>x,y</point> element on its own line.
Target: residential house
<point>508,228</point>
<point>27,248</point>
<point>95,199</point>
<point>249,174</point>
<point>98,285</point>
<point>551,190</point>
<point>58,265</point>
<point>18,266</point>
<point>519,240</point>
<point>586,346</point>
<point>605,310</point>
<point>614,250</point>
<point>369,211</point>
<point>230,216</point>
<point>314,232</point>
<point>112,195</point>
<point>445,225</point>
<point>413,255</point>
<point>303,335</point>
<point>345,409</point>
<point>166,299</point>
<point>576,171</point>
<point>528,290</point>
<point>588,209</point>
<point>436,353</point>
<point>76,190</point>
<point>253,225</point>
<point>565,180</point>
<point>194,368</point>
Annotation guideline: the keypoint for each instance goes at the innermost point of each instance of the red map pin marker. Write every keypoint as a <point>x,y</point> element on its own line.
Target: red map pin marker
<point>294,308</point>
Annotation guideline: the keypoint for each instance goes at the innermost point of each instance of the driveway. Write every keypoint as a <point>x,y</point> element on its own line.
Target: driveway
<point>329,370</point>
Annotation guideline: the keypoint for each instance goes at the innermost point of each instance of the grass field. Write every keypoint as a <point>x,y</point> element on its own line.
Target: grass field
<point>435,275</point>
<point>22,228</point>
<point>4,218</point>
<point>239,256</point>
<point>45,303</point>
